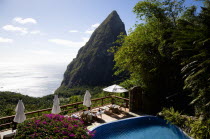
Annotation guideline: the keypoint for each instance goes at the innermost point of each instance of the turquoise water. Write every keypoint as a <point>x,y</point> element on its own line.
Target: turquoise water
<point>148,127</point>
<point>146,132</point>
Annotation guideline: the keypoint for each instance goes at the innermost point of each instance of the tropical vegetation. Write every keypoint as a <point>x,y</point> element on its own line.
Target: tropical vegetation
<point>168,56</point>
<point>53,126</point>
<point>10,99</point>
<point>193,126</point>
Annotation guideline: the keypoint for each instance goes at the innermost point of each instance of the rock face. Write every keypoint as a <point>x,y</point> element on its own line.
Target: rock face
<point>93,65</point>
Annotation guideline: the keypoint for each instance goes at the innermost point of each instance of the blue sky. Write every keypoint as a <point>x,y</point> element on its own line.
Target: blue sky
<point>52,31</point>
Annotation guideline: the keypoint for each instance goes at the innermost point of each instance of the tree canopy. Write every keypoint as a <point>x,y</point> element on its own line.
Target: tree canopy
<point>168,54</point>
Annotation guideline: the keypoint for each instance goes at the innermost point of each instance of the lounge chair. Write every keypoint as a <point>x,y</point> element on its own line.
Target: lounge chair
<point>105,109</point>
<point>114,108</point>
<point>123,105</point>
<point>75,116</point>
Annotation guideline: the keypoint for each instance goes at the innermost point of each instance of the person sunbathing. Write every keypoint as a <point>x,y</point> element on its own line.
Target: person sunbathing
<point>100,112</point>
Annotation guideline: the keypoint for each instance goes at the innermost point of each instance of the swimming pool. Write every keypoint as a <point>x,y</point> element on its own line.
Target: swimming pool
<point>145,127</point>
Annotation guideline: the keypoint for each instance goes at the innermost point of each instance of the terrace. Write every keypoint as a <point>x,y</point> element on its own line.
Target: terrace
<point>6,123</point>
<point>110,117</point>
<point>145,126</point>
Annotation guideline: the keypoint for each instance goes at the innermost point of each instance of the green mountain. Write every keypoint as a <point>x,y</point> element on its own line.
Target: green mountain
<point>93,65</point>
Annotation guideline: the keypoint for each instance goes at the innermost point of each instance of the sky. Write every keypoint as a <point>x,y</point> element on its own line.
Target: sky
<point>52,31</point>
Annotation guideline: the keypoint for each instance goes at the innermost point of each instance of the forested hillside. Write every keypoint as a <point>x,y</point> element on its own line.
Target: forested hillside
<point>9,100</point>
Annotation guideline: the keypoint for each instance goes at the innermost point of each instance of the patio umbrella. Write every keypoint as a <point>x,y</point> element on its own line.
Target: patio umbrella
<point>20,115</point>
<point>56,108</point>
<point>115,89</point>
<point>87,99</point>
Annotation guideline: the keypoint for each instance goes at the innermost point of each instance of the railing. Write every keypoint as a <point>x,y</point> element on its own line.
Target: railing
<point>7,122</point>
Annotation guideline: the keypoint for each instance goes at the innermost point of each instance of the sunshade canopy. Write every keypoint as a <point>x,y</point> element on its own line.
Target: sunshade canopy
<point>115,89</point>
<point>87,99</point>
<point>56,108</point>
<point>20,115</point>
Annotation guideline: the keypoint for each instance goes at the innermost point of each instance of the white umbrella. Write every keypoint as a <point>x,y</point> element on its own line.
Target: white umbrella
<point>20,115</point>
<point>115,89</point>
<point>56,108</point>
<point>87,100</point>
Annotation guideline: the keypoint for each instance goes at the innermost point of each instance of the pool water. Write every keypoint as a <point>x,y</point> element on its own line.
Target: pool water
<point>146,127</point>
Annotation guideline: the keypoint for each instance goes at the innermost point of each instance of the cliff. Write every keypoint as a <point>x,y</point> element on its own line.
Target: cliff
<point>93,65</point>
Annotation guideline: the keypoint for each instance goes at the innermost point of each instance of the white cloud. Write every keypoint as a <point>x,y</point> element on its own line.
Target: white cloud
<point>24,21</point>
<point>92,28</point>
<point>95,25</point>
<point>85,39</point>
<point>68,42</point>
<point>36,32</point>
<point>21,30</point>
<point>42,52</point>
<point>89,31</point>
<point>15,29</point>
<point>73,31</point>
<point>5,40</point>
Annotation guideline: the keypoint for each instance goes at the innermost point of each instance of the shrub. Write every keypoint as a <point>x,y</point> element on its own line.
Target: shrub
<point>195,127</point>
<point>53,126</point>
<point>174,117</point>
<point>200,129</point>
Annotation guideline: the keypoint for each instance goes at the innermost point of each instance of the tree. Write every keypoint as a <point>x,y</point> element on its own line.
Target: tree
<point>193,47</point>
<point>146,53</point>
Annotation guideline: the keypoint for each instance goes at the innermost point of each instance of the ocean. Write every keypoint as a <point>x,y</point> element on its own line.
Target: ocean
<point>31,79</point>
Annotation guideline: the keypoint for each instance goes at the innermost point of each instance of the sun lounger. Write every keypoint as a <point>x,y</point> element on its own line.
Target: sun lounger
<point>114,108</point>
<point>75,116</point>
<point>105,108</point>
<point>123,105</point>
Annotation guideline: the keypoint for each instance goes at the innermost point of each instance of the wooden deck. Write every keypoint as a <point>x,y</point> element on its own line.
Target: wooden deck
<point>110,117</point>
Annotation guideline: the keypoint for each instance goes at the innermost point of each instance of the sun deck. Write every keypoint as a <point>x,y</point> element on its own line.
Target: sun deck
<point>110,117</point>
<point>6,122</point>
<point>107,117</point>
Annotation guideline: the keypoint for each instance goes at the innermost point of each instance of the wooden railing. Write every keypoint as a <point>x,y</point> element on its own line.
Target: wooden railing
<point>7,122</point>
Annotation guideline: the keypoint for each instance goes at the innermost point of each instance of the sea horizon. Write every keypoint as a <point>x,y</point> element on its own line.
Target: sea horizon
<point>35,80</point>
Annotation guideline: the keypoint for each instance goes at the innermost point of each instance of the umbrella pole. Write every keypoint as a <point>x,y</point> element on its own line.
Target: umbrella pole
<point>14,125</point>
<point>112,99</point>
